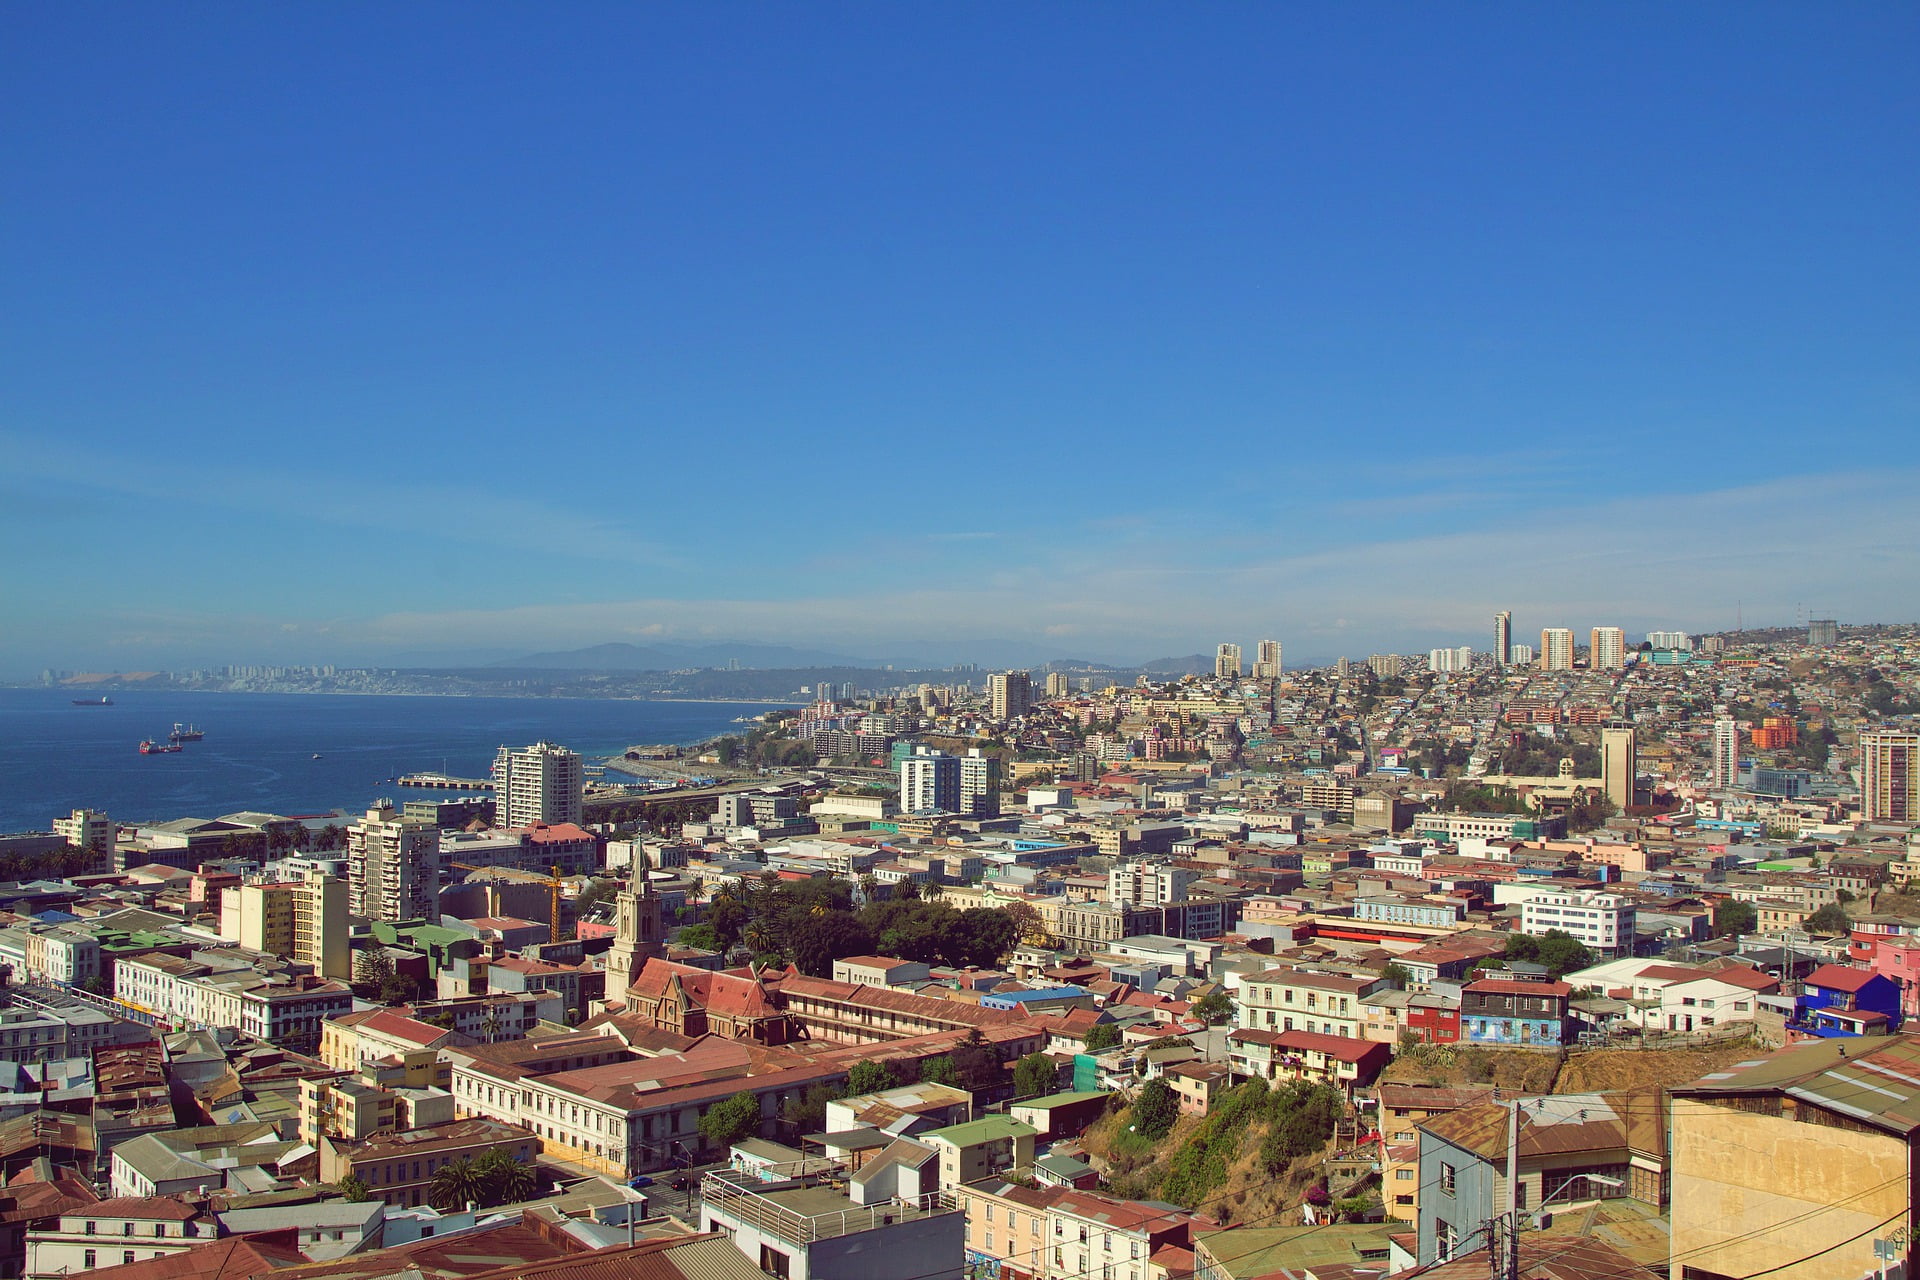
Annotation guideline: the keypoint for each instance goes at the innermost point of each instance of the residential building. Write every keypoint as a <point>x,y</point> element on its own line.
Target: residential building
<point>1522,655</point>
<point>1606,649</point>
<point>1006,1228</point>
<point>930,782</point>
<point>540,783</point>
<point>1619,764</point>
<point>1726,752</point>
<point>113,1233</point>
<point>1799,1164</point>
<point>393,866</point>
<point>1889,776</point>
<point>1009,694</point>
<point>977,1149</point>
<point>1266,662</point>
<point>398,1168</point>
<point>87,829</point>
<point>1226,661</point>
<point>1518,1006</point>
<point>1091,1236</point>
<point>304,920</point>
<point>1823,631</point>
<point>1148,884</point>
<point>1603,922</point>
<point>804,1229</point>
<point>979,784</point>
<point>1059,684</point>
<point>1503,637</point>
<point>1450,661</point>
<point>1556,649</point>
<point>1572,1147</point>
<point>1296,999</point>
<point>1670,641</point>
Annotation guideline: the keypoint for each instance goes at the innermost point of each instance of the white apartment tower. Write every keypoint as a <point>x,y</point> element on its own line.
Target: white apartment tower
<point>1889,776</point>
<point>1148,884</point>
<point>1059,684</point>
<point>1226,661</point>
<point>1607,649</point>
<point>1556,649</point>
<point>1503,637</point>
<point>1266,663</point>
<point>1449,661</point>
<point>980,784</point>
<point>1726,752</point>
<point>1010,693</point>
<point>930,782</point>
<point>86,829</point>
<point>540,783</point>
<point>393,866</point>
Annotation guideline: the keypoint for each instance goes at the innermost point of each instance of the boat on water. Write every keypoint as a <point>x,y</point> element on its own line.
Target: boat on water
<point>185,733</point>
<point>316,755</point>
<point>102,701</point>
<point>148,747</point>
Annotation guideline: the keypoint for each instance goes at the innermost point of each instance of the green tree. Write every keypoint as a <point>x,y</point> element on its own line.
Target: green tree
<point>1831,918</point>
<point>1155,1110</point>
<point>940,1070</point>
<point>868,1076</point>
<point>1034,1075</point>
<point>815,941</point>
<point>977,1063</point>
<point>699,935</point>
<point>456,1184</point>
<point>353,1189</point>
<point>1397,976</point>
<point>732,1119</point>
<point>504,1179</point>
<point>1214,1007</point>
<point>1734,917</point>
<point>1562,953</point>
<point>807,1112</point>
<point>1101,1036</point>
<point>372,969</point>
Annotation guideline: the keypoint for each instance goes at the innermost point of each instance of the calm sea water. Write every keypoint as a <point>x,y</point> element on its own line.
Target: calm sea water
<point>260,747</point>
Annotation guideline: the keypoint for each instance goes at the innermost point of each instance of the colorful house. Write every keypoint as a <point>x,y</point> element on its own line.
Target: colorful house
<point>1522,1008</point>
<point>1839,1000</point>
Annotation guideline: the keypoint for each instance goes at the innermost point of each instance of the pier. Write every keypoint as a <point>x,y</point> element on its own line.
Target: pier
<point>442,782</point>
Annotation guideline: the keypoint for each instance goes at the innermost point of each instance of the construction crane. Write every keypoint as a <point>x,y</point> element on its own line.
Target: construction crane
<point>554,885</point>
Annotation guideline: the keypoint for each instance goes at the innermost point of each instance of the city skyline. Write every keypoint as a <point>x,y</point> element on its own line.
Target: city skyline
<point>530,345</point>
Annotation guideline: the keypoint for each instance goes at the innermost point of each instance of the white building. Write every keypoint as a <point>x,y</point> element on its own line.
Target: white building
<point>1266,662</point>
<point>1148,884</point>
<point>393,866</point>
<point>1670,640</point>
<point>930,782</point>
<point>1602,922</point>
<point>86,829</point>
<point>1726,752</point>
<point>979,784</point>
<point>113,1233</point>
<point>1607,649</point>
<point>1448,661</point>
<point>540,783</point>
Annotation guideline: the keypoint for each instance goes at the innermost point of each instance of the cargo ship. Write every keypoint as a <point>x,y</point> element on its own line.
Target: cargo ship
<point>148,747</point>
<point>93,702</point>
<point>184,733</point>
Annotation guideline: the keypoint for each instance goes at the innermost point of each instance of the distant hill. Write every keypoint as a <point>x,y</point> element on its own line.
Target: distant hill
<point>1192,664</point>
<point>675,657</point>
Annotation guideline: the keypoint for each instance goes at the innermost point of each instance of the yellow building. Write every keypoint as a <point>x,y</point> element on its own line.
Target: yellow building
<point>304,920</point>
<point>1793,1165</point>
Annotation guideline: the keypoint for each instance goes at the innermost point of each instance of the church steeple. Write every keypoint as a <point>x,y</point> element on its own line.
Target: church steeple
<point>637,929</point>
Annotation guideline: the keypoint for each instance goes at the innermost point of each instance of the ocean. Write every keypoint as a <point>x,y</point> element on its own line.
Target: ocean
<point>260,749</point>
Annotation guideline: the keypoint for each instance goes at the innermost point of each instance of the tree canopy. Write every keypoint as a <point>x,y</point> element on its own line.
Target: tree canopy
<point>731,1119</point>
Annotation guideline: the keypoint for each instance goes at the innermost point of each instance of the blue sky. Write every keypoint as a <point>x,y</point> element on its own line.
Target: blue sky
<point>336,332</point>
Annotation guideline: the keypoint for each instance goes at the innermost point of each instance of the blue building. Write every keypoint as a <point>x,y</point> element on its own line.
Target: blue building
<point>1515,1006</point>
<point>1839,1000</point>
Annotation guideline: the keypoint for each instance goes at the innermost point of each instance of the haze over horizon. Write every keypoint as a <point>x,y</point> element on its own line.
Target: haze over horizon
<point>342,333</point>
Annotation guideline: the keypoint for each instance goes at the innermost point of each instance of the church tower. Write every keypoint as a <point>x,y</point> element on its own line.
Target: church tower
<point>637,930</point>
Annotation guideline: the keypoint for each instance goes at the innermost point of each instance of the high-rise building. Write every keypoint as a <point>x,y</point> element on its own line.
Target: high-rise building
<point>1450,661</point>
<point>393,867</point>
<point>1386,665</point>
<point>1010,693</point>
<point>1059,684</point>
<point>1670,640</point>
<point>930,782</point>
<point>1823,631</point>
<point>1607,649</point>
<point>1556,649</point>
<point>1226,661</point>
<point>1266,663</point>
<point>87,829</point>
<point>1148,884</point>
<point>304,920</point>
<point>1343,668</point>
<point>540,783</point>
<point>1503,637</point>
<point>1521,655</point>
<point>980,784</point>
<point>1889,775</point>
<point>1726,752</point>
<point>1619,763</point>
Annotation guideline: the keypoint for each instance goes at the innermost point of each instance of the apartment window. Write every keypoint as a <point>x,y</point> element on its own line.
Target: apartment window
<point>92,1227</point>
<point>126,1257</point>
<point>89,1260</point>
<point>1403,1174</point>
<point>1447,1177</point>
<point>989,1242</point>
<point>1443,1239</point>
<point>126,1228</point>
<point>989,1211</point>
<point>774,1262</point>
<point>160,1228</point>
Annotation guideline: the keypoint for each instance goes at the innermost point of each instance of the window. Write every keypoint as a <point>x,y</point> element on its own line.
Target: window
<point>773,1262</point>
<point>1403,1198</point>
<point>126,1257</point>
<point>1443,1239</point>
<point>1447,1175</point>
<point>989,1211</point>
<point>126,1228</point>
<point>989,1242</point>
<point>160,1228</point>
<point>1403,1175</point>
<point>92,1227</point>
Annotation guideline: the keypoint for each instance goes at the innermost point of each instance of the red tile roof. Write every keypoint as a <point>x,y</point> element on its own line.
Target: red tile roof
<point>1840,977</point>
<point>234,1258</point>
<point>1342,1048</point>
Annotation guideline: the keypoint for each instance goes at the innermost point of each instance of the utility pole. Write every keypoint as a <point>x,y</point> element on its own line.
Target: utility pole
<point>1511,1243</point>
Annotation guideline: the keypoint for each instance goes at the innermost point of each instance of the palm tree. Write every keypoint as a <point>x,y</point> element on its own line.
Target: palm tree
<point>490,1024</point>
<point>455,1184</point>
<point>504,1179</point>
